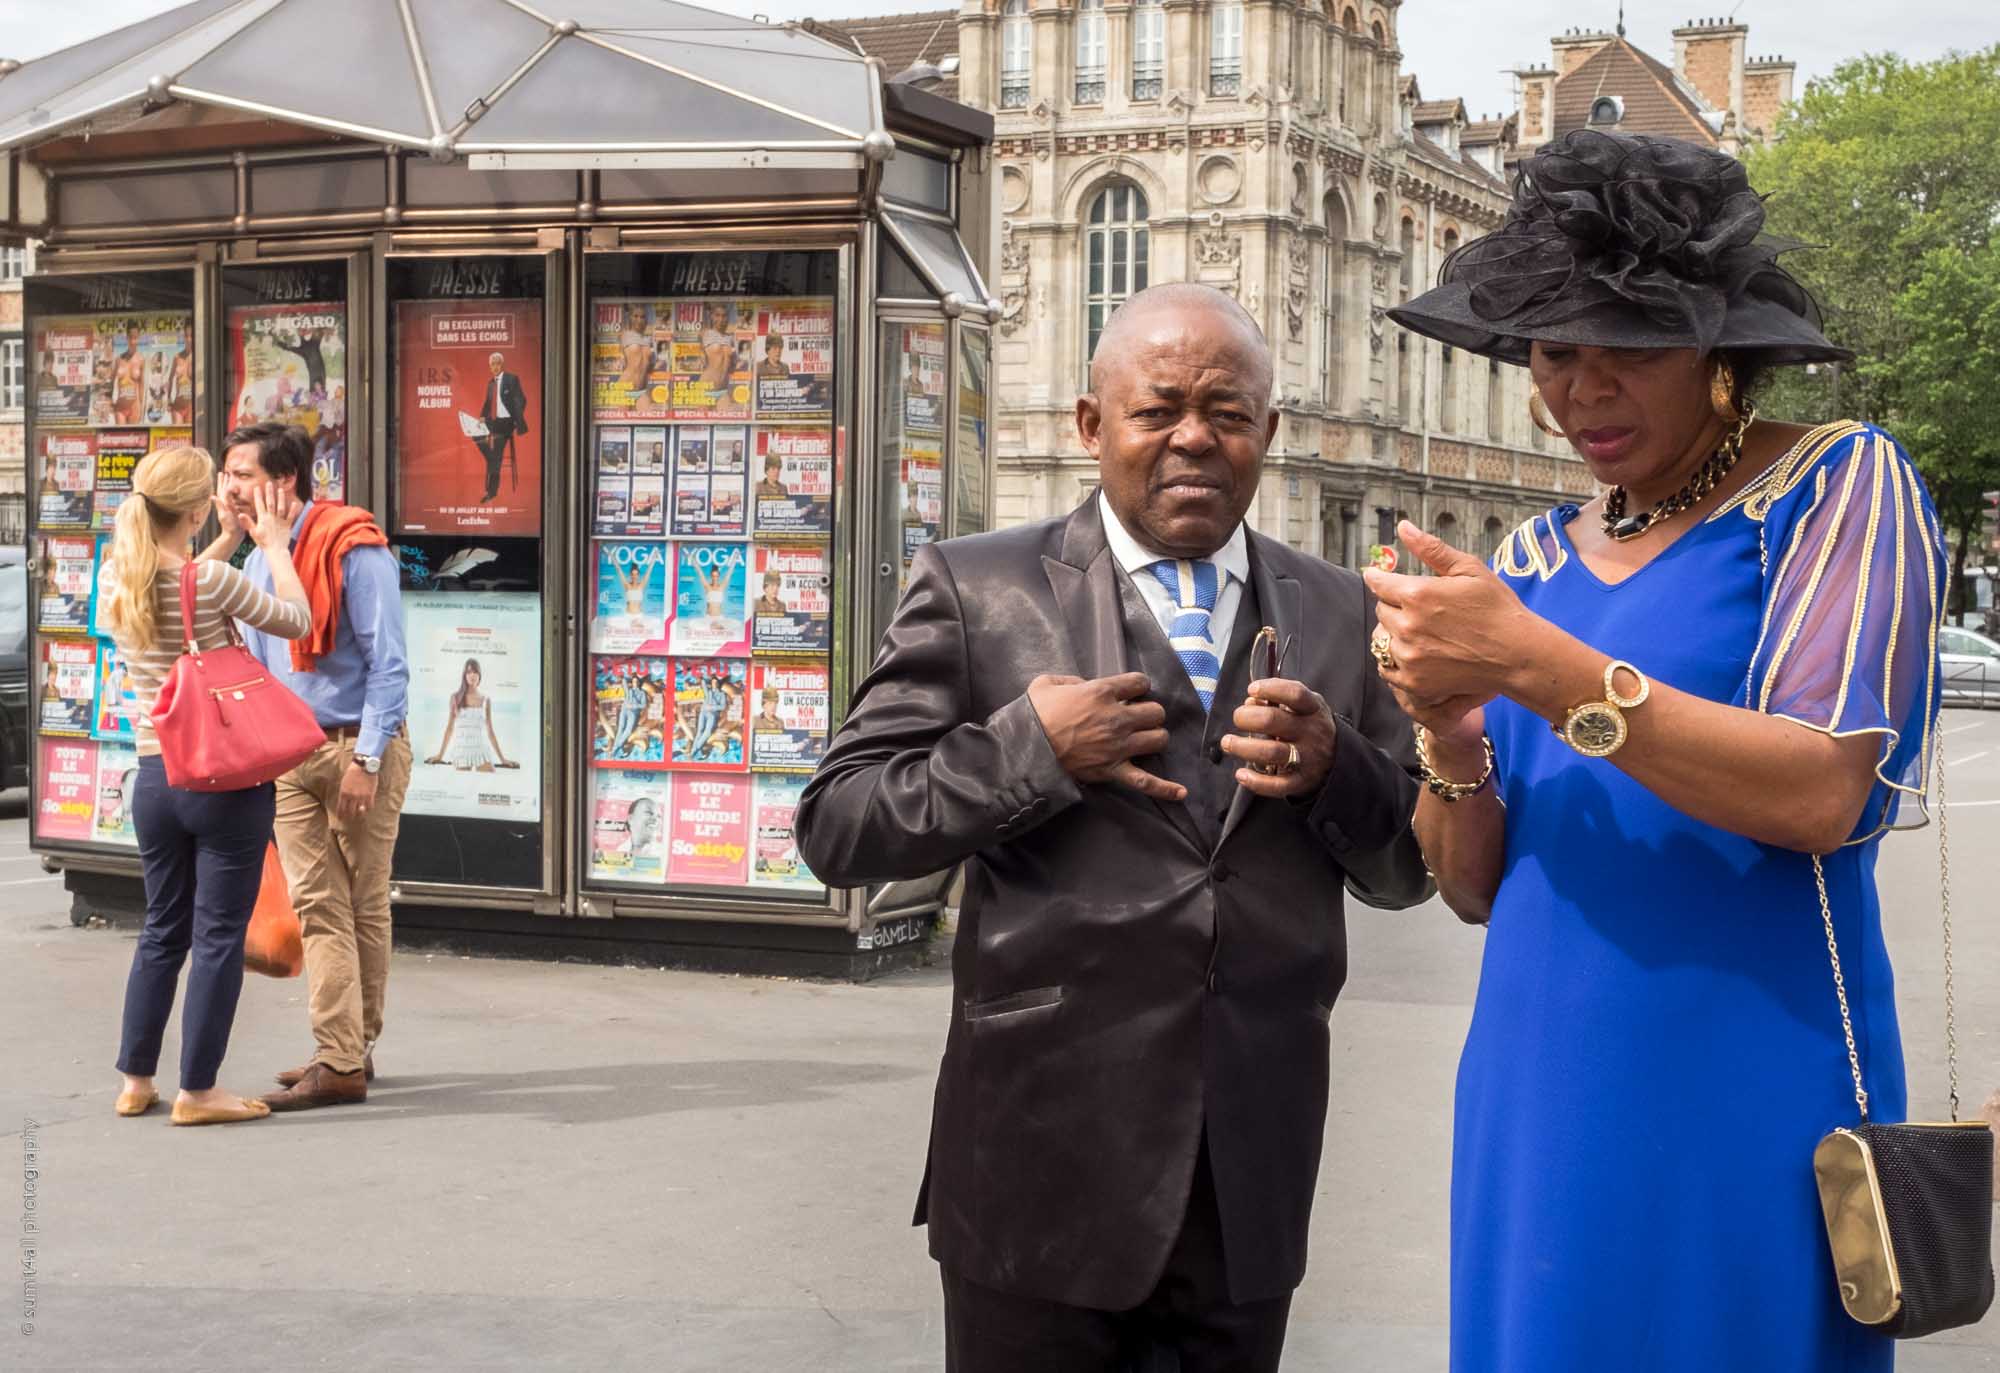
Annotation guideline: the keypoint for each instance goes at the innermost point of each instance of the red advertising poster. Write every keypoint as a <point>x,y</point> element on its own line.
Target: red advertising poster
<point>69,782</point>
<point>708,842</point>
<point>469,416</point>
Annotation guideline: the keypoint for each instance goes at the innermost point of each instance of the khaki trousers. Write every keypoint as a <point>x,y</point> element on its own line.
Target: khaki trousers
<point>338,872</point>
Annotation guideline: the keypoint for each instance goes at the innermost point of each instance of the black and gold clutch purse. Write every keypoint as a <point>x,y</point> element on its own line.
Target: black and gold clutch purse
<point>1909,1208</point>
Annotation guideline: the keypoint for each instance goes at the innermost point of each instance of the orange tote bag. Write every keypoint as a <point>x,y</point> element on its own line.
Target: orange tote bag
<point>273,945</point>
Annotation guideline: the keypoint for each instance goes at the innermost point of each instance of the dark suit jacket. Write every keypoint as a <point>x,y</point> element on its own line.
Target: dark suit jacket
<point>1125,971</point>
<point>516,398</point>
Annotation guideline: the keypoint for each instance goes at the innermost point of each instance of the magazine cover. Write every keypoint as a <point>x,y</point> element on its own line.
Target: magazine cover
<point>774,850</point>
<point>691,443</point>
<point>711,369</point>
<point>728,483</point>
<point>709,837</point>
<point>794,491</point>
<point>794,365</point>
<point>923,379</point>
<point>69,680</point>
<point>630,727</point>
<point>66,799</point>
<point>117,777</point>
<point>69,469</point>
<point>923,500</point>
<point>475,696</point>
<point>631,614</point>
<point>792,706</point>
<point>711,600</point>
<point>628,828</point>
<point>711,713</point>
<point>144,371</point>
<point>65,363</point>
<point>649,480</point>
<point>612,513</point>
<point>793,610</point>
<point>289,362</point>
<point>68,585</point>
<point>113,698</point>
<point>469,416</point>
<point>631,359</point>
<point>118,452</point>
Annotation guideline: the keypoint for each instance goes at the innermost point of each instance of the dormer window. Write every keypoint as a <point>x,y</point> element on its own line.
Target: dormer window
<point>1607,110</point>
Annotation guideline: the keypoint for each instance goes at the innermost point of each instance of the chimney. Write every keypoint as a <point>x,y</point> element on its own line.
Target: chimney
<point>1767,89</point>
<point>1708,55</point>
<point>1571,50</point>
<point>1535,101</point>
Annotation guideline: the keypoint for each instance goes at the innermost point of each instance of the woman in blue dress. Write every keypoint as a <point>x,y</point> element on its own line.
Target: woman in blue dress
<point>1705,691</point>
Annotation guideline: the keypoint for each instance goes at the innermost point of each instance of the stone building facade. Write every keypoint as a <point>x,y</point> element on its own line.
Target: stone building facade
<point>1275,150</point>
<point>15,263</point>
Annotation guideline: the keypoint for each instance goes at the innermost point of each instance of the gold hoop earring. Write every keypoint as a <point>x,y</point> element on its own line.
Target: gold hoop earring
<point>1538,411</point>
<point>1722,392</point>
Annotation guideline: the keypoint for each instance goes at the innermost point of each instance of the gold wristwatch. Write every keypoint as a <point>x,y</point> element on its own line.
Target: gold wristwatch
<point>1596,729</point>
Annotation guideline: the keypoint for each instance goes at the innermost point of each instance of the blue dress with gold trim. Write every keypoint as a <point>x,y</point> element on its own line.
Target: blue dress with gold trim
<point>1656,1045</point>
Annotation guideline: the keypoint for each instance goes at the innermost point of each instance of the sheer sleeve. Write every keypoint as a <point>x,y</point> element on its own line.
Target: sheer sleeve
<point>1854,569</point>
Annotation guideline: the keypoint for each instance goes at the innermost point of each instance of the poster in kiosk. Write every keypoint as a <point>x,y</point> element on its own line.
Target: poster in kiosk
<point>709,597</point>
<point>110,376</point>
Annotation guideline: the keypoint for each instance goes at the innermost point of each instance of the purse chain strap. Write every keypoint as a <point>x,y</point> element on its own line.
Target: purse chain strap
<point>1944,896</point>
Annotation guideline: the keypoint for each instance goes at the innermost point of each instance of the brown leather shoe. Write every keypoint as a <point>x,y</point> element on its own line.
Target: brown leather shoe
<point>290,1077</point>
<point>321,1086</point>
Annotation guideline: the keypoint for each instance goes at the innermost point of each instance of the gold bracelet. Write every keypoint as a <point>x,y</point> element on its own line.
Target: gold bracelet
<point>1444,788</point>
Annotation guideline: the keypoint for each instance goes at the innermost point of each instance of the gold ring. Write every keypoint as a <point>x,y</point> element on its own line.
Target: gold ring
<point>1292,763</point>
<point>1379,647</point>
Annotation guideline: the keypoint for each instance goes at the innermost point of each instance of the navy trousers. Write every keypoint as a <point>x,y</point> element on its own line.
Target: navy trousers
<point>203,853</point>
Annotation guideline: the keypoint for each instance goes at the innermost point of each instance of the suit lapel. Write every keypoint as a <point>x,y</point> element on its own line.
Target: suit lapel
<point>1280,598</point>
<point>1087,587</point>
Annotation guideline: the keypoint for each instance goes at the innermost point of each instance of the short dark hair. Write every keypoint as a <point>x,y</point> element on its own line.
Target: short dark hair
<point>283,451</point>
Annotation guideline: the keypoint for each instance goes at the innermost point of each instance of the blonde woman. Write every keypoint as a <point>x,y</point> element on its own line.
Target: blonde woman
<point>203,852</point>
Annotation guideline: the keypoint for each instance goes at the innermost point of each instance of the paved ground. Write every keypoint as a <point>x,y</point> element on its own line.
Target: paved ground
<point>571,1166</point>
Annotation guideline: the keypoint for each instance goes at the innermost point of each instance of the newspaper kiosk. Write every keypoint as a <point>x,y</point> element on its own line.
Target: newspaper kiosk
<point>656,339</point>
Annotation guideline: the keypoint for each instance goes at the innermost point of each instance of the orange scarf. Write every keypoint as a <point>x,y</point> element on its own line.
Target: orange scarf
<point>328,534</point>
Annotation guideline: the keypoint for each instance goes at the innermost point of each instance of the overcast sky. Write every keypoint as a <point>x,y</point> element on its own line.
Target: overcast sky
<point>1456,47</point>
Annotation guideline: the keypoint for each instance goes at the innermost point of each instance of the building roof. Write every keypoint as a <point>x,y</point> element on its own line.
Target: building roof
<point>479,78</point>
<point>1655,100</point>
<point>1438,111</point>
<point>900,40</point>
<point>1480,132</point>
<point>1438,156</point>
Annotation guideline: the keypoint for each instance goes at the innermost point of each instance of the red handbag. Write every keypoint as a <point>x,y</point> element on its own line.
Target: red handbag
<point>223,722</point>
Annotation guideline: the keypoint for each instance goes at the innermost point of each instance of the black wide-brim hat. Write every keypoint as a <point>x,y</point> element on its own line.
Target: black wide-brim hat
<point>1625,241</point>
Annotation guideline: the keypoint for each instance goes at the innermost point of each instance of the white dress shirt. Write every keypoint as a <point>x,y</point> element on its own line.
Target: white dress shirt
<point>1232,562</point>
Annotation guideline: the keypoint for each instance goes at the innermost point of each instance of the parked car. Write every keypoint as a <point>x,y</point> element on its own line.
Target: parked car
<point>1971,667</point>
<point>13,667</point>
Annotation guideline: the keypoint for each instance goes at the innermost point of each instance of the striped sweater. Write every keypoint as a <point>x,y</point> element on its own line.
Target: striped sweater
<point>221,594</point>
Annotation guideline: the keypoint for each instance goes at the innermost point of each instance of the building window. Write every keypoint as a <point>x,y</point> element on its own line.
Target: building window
<point>1149,49</point>
<point>1447,392</point>
<point>1115,247</point>
<point>1225,48</point>
<point>1017,54</point>
<point>13,263</point>
<point>1495,392</point>
<point>1333,284</point>
<point>1496,530</point>
<point>12,374</point>
<point>1409,247</point>
<point>1447,528</point>
<point>1090,52</point>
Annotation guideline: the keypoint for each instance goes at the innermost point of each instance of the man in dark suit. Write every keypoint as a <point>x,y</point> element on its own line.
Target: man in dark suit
<point>505,411</point>
<point>1128,1117</point>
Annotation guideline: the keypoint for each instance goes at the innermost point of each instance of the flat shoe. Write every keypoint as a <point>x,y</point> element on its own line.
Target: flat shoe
<point>219,1115</point>
<point>137,1103</point>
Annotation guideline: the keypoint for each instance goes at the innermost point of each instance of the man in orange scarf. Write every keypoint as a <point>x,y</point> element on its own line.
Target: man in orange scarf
<point>339,811</point>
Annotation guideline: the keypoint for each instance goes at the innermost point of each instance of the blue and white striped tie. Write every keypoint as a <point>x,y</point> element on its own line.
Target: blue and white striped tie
<point>1194,587</point>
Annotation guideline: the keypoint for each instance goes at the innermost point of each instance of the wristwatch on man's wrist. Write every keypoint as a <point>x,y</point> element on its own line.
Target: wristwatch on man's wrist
<point>371,766</point>
<point>1596,729</point>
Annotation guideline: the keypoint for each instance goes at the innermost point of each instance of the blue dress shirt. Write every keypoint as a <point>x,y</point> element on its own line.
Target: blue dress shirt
<point>365,681</point>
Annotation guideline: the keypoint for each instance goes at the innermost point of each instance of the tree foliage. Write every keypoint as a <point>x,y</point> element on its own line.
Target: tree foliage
<point>1889,172</point>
